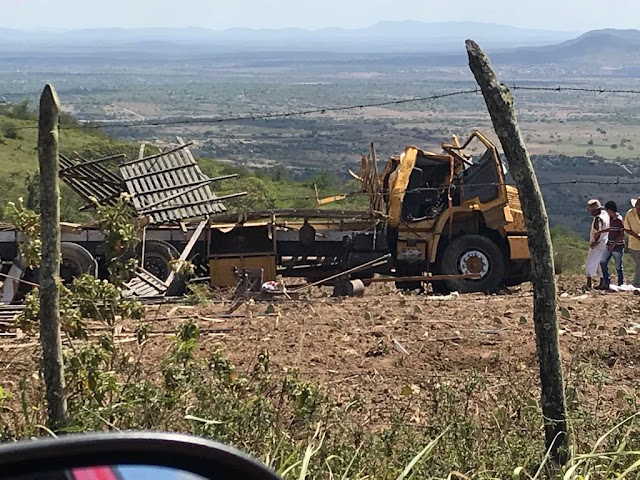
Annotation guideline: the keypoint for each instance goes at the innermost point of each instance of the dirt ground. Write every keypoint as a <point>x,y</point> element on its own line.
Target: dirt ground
<point>386,346</point>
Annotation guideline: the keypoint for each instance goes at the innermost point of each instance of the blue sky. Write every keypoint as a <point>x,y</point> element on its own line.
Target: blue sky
<point>572,15</point>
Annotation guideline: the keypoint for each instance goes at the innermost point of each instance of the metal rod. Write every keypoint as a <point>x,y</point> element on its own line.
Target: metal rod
<point>31,284</point>
<point>364,266</point>
<point>208,200</point>
<point>425,278</point>
<point>300,213</point>
<point>90,162</point>
<point>157,155</point>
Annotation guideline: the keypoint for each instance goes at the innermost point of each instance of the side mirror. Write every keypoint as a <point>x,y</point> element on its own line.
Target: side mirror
<point>128,456</point>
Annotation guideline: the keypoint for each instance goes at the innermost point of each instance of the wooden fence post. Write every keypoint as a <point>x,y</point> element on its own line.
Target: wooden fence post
<point>48,130</point>
<point>500,105</point>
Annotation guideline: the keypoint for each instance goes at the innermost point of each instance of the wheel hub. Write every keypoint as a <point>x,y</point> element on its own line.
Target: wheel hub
<point>69,270</point>
<point>157,266</point>
<point>474,262</point>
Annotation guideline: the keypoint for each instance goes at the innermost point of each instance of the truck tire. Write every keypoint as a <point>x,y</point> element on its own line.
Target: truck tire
<point>158,256</point>
<point>75,262</point>
<point>473,254</point>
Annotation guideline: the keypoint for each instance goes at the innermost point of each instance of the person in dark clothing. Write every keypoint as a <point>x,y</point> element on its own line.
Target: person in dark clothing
<point>615,246</point>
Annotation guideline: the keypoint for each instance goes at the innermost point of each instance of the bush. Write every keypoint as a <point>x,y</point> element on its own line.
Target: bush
<point>11,131</point>
<point>569,250</point>
<point>23,111</point>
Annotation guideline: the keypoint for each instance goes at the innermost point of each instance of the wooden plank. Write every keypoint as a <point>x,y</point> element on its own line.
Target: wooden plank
<point>172,207</point>
<point>195,173</point>
<point>187,250</point>
<point>184,177</point>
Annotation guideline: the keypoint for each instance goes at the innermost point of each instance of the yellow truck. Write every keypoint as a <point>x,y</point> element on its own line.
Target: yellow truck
<point>451,214</point>
<point>447,215</point>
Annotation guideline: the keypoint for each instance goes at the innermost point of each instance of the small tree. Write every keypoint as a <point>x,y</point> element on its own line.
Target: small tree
<point>92,363</point>
<point>10,131</point>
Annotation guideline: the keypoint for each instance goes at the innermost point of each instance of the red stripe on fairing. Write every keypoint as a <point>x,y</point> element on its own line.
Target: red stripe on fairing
<point>94,473</point>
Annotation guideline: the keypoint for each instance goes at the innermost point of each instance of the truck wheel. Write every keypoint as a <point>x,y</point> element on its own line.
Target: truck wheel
<point>158,256</point>
<point>76,261</point>
<point>473,254</point>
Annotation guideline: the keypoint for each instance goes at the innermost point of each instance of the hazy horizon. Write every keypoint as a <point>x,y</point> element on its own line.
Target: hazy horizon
<point>542,15</point>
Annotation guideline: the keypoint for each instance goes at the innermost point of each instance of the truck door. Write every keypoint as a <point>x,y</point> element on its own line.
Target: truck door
<point>483,187</point>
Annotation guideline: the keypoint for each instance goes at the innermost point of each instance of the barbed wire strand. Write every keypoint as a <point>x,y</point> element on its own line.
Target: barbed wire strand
<point>440,189</point>
<point>258,116</point>
<point>321,110</point>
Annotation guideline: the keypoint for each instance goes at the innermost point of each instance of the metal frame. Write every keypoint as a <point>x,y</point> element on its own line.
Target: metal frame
<point>168,187</point>
<point>152,185</point>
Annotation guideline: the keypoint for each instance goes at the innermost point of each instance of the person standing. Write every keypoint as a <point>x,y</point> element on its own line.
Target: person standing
<point>615,246</point>
<point>597,240</point>
<point>632,227</point>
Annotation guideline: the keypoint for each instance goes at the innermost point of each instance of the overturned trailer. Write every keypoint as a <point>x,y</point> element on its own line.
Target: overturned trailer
<point>442,216</point>
<point>168,193</point>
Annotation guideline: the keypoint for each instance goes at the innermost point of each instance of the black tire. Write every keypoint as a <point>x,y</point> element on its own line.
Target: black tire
<point>474,254</point>
<point>439,288</point>
<point>75,262</point>
<point>158,256</point>
<point>521,275</point>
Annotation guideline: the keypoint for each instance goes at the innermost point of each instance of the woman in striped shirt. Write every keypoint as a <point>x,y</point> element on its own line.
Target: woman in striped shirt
<point>615,246</point>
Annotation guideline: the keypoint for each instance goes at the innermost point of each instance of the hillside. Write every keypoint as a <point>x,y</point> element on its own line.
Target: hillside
<point>608,47</point>
<point>19,163</point>
<point>19,154</point>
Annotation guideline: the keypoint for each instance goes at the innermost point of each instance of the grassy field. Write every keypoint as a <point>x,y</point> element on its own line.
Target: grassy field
<point>316,388</point>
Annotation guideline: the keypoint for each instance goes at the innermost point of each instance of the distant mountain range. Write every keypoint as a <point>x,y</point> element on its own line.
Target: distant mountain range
<point>607,47</point>
<point>405,36</point>
<point>426,43</point>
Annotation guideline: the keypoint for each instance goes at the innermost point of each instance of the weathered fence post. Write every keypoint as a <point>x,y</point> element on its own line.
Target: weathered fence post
<point>500,105</point>
<point>48,130</point>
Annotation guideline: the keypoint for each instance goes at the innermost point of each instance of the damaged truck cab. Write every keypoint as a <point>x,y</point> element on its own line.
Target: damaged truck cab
<point>450,214</point>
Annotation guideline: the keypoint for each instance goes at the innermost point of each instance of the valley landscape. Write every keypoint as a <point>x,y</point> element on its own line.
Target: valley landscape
<point>172,76</point>
<point>318,387</point>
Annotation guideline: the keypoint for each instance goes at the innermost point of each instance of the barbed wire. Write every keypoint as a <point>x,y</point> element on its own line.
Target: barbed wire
<point>257,116</point>
<point>321,110</point>
<point>560,88</point>
<point>454,187</point>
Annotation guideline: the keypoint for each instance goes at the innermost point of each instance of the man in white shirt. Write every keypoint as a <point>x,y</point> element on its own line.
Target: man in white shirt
<point>597,241</point>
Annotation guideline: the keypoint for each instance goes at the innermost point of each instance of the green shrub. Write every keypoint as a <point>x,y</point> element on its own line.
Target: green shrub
<point>11,131</point>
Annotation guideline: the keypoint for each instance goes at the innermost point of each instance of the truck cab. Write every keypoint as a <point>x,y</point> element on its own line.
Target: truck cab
<point>453,214</point>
